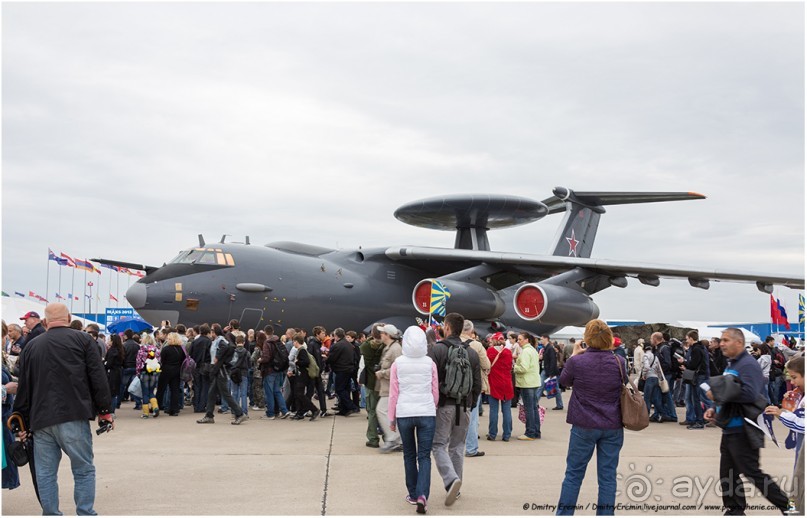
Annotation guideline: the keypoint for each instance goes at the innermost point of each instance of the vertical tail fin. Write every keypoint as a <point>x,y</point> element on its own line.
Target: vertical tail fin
<point>576,233</point>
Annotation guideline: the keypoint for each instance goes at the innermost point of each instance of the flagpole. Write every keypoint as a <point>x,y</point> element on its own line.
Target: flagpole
<point>84,302</point>
<point>60,278</point>
<point>72,289</point>
<point>117,288</point>
<point>47,277</point>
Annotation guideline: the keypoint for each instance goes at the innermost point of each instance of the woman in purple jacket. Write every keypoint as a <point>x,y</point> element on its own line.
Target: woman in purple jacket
<point>596,375</point>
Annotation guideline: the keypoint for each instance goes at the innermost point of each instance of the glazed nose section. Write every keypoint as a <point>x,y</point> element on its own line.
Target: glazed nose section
<point>136,295</point>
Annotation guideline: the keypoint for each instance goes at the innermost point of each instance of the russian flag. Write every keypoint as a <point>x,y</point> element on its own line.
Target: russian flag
<point>783,313</point>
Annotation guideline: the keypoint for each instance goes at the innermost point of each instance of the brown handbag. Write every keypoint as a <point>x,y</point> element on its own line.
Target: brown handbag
<point>632,405</point>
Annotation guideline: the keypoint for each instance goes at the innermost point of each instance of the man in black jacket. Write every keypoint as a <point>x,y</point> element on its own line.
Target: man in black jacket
<point>62,387</point>
<point>314,346</point>
<point>669,367</point>
<point>130,350</point>
<point>200,352</point>
<point>697,361</point>
<point>221,372</point>
<point>340,359</point>
<point>33,324</point>
<point>453,416</point>
<point>550,369</point>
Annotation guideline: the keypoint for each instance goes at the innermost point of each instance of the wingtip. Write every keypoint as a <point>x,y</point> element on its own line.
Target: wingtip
<point>697,195</point>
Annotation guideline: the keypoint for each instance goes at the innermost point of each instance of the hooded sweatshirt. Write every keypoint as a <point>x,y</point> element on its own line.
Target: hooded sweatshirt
<point>414,389</point>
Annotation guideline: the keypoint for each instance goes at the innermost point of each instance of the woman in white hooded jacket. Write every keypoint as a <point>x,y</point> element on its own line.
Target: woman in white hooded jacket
<point>414,393</point>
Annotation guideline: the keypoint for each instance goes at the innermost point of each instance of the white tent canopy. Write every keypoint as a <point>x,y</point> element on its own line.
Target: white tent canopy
<point>706,331</point>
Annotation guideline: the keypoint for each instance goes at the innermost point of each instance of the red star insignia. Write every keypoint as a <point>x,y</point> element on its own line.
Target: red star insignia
<point>572,244</point>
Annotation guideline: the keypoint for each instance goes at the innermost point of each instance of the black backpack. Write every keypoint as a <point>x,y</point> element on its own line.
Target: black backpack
<point>280,360</point>
<point>238,362</point>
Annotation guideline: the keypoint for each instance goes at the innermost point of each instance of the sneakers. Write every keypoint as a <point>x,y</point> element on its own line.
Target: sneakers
<point>453,492</point>
<point>669,419</point>
<point>220,411</point>
<point>686,423</point>
<point>490,437</point>
<point>297,417</point>
<point>284,416</point>
<point>421,503</point>
<point>371,444</point>
<point>410,500</point>
<point>307,414</point>
<point>325,413</point>
<point>477,454</point>
<point>525,438</point>
<point>558,408</point>
<point>240,419</point>
<point>313,417</point>
<point>505,439</point>
<point>268,417</point>
<point>255,407</point>
<point>389,447</point>
<point>206,420</point>
<point>695,426</point>
<point>144,416</point>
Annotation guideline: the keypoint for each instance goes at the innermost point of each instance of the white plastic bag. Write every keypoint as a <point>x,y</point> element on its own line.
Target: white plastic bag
<point>135,389</point>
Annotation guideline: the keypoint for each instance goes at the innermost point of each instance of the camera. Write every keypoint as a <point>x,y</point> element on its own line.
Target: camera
<point>104,426</point>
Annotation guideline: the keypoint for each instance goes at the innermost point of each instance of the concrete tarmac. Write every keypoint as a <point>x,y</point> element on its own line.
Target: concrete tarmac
<point>173,466</point>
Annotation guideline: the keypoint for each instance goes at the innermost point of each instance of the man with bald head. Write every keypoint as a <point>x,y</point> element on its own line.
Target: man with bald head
<point>62,387</point>
<point>738,455</point>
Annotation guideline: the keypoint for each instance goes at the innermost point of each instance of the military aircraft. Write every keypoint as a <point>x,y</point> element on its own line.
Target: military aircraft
<point>299,285</point>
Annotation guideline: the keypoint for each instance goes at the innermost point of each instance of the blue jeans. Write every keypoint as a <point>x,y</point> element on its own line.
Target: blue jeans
<point>239,392</point>
<point>581,447</point>
<point>507,418</point>
<point>694,397</point>
<point>249,382</point>
<point>417,453</point>
<point>529,396</point>
<point>774,387</point>
<point>558,396</point>
<point>667,399</point>
<point>472,437</point>
<point>75,439</point>
<point>272,384</point>
<point>652,395</point>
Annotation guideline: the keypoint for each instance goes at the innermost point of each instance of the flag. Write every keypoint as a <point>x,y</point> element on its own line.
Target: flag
<point>96,269</point>
<point>121,269</point>
<point>801,309</point>
<point>70,261</point>
<point>70,296</point>
<point>90,284</point>
<point>139,274</point>
<point>783,313</point>
<point>58,260</point>
<point>439,296</point>
<point>111,267</point>
<point>88,296</point>
<point>19,294</point>
<point>112,297</point>
<point>84,265</point>
<point>776,316</point>
<point>59,297</point>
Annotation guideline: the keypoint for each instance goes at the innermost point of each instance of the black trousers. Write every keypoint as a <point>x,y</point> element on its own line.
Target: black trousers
<point>342,386</point>
<point>219,387</point>
<point>169,379</point>
<point>738,457</point>
<point>315,385</point>
<point>201,386</point>
<point>302,402</point>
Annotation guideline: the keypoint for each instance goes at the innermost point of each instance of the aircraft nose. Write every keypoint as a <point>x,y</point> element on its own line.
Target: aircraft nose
<point>136,295</point>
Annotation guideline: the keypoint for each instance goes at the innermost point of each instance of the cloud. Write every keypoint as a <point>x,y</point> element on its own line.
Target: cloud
<point>130,128</point>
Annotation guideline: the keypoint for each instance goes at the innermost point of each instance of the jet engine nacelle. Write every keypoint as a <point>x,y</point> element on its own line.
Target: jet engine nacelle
<point>472,301</point>
<point>552,304</point>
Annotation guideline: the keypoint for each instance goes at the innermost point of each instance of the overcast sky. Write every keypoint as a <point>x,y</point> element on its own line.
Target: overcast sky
<point>128,129</point>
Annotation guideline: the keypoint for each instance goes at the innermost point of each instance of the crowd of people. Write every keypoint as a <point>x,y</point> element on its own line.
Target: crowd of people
<point>423,389</point>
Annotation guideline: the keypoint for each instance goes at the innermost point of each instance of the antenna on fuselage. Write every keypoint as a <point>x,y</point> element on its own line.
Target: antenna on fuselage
<point>247,239</point>
<point>222,238</point>
<point>201,240</point>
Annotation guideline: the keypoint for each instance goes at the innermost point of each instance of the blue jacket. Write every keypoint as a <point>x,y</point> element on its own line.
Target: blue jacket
<point>748,371</point>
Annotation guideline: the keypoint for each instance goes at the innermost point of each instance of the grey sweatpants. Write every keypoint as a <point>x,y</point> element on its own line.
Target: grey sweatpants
<point>448,448</point>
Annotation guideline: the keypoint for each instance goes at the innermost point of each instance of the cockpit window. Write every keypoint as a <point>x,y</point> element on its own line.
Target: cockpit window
<point>204,256</point>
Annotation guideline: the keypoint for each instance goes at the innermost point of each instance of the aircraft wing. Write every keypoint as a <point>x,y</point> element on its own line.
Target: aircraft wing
<point>549,265</point>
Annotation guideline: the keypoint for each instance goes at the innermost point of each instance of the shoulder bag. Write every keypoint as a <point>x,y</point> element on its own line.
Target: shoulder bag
<point>632,405</point>
<point>663,384</point>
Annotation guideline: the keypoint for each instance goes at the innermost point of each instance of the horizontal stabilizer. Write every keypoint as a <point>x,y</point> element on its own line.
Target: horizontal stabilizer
<point>562,195</point>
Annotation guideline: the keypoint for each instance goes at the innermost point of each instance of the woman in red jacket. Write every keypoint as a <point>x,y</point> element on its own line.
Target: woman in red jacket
<point>501,388</point>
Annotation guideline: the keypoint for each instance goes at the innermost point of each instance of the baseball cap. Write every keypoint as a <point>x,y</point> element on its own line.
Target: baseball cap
<point>30,314</point>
